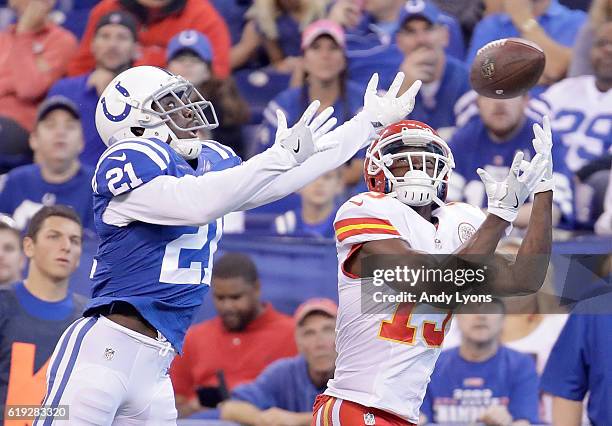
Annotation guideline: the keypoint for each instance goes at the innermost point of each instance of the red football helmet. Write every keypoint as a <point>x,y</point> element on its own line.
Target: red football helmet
<point>410,142</point>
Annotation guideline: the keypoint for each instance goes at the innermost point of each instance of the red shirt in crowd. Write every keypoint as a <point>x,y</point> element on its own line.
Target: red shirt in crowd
<point>30,63</point>
<point>197,15</point>
<point>241,355</point>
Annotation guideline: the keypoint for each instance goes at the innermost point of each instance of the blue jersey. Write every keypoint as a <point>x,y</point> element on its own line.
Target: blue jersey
<point>460,391</point>
<point>284,384</point>
<point>473,147</point>
<point>23,191</point>
<point>580,363</point>
<point>163,271</point>
<point>438,110</point>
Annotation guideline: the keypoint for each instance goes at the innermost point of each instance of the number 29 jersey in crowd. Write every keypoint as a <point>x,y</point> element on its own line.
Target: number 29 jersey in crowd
<point>385,361</point>
<point>162,270</point>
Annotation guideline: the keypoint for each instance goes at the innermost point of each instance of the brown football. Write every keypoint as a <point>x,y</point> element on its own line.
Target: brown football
<point>507,68</point>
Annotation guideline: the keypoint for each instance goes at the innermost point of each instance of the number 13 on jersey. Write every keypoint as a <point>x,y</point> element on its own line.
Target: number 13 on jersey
<point>400,329</point>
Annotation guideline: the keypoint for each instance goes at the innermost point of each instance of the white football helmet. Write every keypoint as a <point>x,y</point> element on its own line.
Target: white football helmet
<point>129,107</point>
<point>419,186</point>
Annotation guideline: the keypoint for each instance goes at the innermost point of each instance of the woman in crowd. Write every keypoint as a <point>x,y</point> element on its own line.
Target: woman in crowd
<point>323,77</point>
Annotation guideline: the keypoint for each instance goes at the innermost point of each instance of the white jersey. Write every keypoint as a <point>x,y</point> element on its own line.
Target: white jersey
<point>385,361</point>
<point>581,115</point>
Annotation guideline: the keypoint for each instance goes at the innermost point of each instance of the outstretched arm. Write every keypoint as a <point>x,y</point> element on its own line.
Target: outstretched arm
<point>306,148</point>
<point>350,137</point>
<point>526,274</point>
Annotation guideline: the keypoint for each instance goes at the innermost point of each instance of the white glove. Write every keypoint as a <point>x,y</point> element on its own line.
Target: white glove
<point>506,198</point>
<point>302,140</point>
<point>542,143</point>
<point>389,108</point>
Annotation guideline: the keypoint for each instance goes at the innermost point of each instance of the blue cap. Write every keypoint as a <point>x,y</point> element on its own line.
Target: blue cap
<point>420,8</point>
<point>191,40</point>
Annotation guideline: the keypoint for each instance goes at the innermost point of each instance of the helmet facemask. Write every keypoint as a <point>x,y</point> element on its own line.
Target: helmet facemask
<point>159,121</point>
<point>428,162</point>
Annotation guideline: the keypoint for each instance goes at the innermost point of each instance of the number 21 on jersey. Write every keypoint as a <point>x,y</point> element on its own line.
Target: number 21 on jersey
<point>399,329</point>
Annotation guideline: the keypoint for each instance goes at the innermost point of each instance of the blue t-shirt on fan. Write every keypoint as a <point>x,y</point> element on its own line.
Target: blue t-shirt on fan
<point>23,191</point>
<point>580,363</point>
<point>461,391</point>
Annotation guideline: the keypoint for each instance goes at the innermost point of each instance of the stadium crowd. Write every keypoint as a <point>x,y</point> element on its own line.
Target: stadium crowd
<point>251,363</point>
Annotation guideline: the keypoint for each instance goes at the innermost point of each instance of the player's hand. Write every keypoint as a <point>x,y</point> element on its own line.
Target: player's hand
<point>496,415</point>
<point>542,143</point>
<point>505,198</point>
<point>304,139</point>
<point>389,108</point>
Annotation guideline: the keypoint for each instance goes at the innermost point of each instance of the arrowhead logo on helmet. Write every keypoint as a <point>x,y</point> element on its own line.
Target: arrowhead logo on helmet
<point>427,158</point>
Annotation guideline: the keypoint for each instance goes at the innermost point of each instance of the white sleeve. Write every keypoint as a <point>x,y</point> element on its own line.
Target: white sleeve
<point>195,201</point>
<point>352,136</point>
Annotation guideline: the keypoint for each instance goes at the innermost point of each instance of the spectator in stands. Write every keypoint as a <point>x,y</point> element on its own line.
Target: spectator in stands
<point>315,216</point>
<point>113,47</point>
<point>534,328</point>
<point>35,53</point>
<point>579,364</point>
<point>579,108</point>
<point>11,258</point>
<point>35,312</point>
<point>421,38</point>
<point>190,55</point>
<point>159,21</point>
<point>482,380</point>
<point>233,13</point>
<point>489,140</point>
<point>600,12</point>
<point>324,78</point>
<point>546,22</point>
<point>467,13</point>
<point>371,32</point>
<point>245,337</point>
<point>283,394</point>
<point>57,177</point>
<point>280,24</point>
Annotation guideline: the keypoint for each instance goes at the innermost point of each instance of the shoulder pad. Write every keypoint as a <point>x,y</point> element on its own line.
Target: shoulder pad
<point>365,217</point>
<point>128,164</point>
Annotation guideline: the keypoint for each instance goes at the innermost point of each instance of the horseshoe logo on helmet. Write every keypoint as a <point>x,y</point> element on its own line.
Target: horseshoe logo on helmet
<point>126,109</point>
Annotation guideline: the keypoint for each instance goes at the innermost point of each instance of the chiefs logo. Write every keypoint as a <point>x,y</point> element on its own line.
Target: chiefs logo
<point>465,231</point>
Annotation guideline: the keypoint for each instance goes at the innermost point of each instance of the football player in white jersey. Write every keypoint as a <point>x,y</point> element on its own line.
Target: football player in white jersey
<point>384,362</point>
<point>580,108</point>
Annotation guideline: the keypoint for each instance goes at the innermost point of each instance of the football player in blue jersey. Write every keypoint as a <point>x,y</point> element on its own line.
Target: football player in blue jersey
<point>160,194</point>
